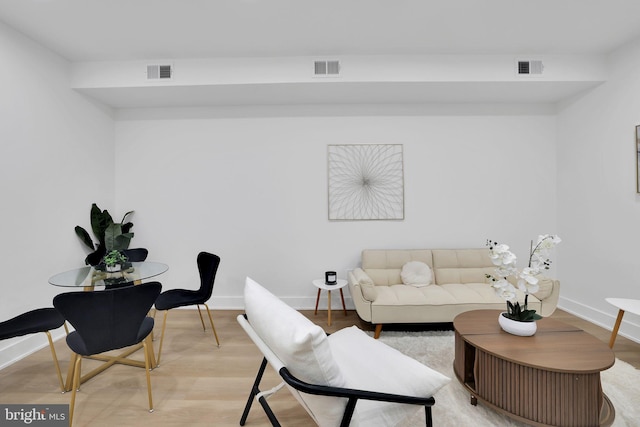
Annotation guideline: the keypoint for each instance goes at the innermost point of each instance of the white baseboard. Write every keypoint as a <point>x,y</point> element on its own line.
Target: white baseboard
<point>21,347</point>
<point>628,328</point>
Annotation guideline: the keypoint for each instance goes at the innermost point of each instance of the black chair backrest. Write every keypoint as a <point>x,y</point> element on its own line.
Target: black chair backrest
<point>207,267</point>
<point>110,319</point>
<point>136,254</point>
<point>31,322</point>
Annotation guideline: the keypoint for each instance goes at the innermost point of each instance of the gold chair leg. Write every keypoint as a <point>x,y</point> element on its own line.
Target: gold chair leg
<point>212,327</point>
<point>164,325</point>
<point>77,362</point>
<point>147,365</point>
<point>201,319</point>
<point>55,360</point>
<point>152,356</point>
<point>72,364</point>
<point>152,314</point>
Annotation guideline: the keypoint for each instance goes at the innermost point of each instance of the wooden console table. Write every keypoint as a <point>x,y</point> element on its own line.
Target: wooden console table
<point>549,379</point>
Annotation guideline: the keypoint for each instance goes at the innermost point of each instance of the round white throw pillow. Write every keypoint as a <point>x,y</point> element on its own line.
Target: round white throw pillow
<point>416,273</point>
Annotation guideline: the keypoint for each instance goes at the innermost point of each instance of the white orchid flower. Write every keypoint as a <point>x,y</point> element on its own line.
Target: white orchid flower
<point>526,280</point>
<point>506,270</point>
<point>528,274</point>
<point>504,289</point>
<point>501,255</point>
<point>547,241</point>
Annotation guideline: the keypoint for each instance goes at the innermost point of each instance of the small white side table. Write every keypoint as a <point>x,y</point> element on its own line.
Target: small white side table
<point>319,283</point>
<point>623,304</point>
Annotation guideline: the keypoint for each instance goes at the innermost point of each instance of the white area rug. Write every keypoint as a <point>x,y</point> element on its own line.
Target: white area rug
<point>621,383</point>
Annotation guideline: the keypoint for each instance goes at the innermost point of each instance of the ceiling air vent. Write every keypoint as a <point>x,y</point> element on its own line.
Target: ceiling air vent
<point>530,68</point>
<point>159,72</point>
<point>326,68</point>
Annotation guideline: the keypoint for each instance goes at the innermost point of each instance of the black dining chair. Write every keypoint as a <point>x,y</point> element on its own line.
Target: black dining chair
<point>136,254</point>
<point>207,266</point>
<point>32,322</point>
<point>105,321</point>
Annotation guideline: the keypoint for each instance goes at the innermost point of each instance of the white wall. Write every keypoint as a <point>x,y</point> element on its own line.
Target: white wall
<point>598,208</point>
<point>254,191</point>
<point>57,158</point>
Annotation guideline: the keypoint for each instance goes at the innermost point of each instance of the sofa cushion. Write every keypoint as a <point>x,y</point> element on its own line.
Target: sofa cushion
<point>300,344</point>
<point>416,273</point>
<point>395,373</point>
<point>449,294</point>
<point>384,266</point>
<point>461,265</point>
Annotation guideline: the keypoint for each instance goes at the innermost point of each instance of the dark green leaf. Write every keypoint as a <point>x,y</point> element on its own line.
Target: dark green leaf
<point>122,241</point>
<point>110,235</point>
<point>94,258</point>
<point>126,227</point>
<point>84,237</point>
<point>124,216</point>
<point>100,220</point>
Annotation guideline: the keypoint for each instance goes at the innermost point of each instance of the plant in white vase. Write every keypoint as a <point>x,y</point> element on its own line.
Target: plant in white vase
<point>525,279</point>
<point>114,260</point>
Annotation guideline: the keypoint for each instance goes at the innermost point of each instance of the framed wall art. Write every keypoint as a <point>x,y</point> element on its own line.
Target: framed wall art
<point>365,182</point>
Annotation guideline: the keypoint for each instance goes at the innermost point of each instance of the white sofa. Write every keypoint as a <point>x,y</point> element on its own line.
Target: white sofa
<point>459,284</point>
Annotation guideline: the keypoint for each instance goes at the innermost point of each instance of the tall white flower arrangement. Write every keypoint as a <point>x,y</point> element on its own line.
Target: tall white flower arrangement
<point>526,279</point>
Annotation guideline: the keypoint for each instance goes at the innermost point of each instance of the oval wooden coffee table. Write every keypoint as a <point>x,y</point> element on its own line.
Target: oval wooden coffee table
<point>549,379</point>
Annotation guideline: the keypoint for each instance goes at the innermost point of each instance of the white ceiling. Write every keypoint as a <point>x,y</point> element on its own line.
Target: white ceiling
<point>87,30</point>
<point>99,30</point>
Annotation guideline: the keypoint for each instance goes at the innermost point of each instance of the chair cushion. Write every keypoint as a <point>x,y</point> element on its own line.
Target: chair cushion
<point>301,345</point>
<point>416,273</point>
<point>78,345</point>
<point>178,298</point>
<point>369,364</point>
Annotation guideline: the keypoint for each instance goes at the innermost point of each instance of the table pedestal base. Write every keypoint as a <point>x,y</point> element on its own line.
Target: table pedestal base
<point>534,396</point>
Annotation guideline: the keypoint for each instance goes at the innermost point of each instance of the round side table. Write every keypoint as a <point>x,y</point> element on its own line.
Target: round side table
<point>319,283</point>
<point>623,304</point>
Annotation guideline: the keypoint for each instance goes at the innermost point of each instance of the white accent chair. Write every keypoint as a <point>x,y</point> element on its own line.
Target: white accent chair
<point>345,379</point>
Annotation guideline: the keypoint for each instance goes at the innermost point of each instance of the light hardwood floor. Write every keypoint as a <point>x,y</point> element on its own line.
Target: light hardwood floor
<point>196,383</point>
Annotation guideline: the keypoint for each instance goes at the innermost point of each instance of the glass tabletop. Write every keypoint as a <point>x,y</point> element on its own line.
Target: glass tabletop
<point>90,276</point>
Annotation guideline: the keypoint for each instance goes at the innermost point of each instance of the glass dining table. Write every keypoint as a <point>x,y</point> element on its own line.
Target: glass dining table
<point>89,277</point>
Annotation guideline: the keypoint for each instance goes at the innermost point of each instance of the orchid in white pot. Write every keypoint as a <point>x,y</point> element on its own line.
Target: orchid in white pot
<point>525,279</point>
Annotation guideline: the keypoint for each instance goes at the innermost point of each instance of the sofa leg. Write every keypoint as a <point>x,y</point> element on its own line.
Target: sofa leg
<point>376,335</point>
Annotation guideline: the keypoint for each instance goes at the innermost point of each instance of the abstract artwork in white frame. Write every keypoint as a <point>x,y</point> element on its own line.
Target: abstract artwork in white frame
<point>365,182</point>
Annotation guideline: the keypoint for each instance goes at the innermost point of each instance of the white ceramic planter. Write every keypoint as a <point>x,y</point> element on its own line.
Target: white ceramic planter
<point>523,329</point>
<point>113,268</point>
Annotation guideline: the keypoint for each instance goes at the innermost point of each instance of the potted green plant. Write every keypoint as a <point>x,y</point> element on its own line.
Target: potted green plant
<point>111,235</point>
<point>114,260</point>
